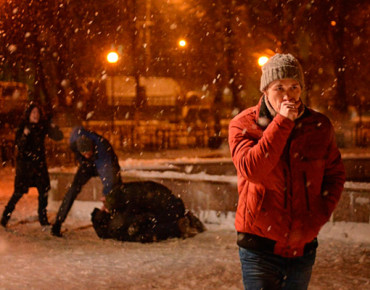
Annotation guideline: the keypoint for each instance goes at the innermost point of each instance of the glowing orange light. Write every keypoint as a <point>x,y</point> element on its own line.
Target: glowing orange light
<point>333,23</point>
<point>262,60</point>
<point>112,57</point>
<point>182,42</point>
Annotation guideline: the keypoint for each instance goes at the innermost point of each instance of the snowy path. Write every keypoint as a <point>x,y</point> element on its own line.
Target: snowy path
<point>32,259</point>
<point>35,260</point>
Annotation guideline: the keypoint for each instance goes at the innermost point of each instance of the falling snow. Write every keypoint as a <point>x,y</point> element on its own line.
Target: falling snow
<point>31,257</point>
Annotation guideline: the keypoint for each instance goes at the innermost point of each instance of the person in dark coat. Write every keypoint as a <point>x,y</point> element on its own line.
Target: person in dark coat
<point>31,167</point>
<point>96,157</point>
<point>144,211</point>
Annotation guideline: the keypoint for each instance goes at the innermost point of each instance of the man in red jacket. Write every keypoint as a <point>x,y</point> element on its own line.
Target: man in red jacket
<point>290,178</point>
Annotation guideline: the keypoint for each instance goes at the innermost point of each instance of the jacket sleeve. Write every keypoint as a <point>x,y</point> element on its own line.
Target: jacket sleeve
<point>255,156</point>
<point>109,176</point>
<point>54,132</point>
<point>78,156</point>
<point>107,166</point>
<point>334,176</point>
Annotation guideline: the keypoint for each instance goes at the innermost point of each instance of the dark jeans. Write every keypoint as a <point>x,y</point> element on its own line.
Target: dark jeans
<point>267,271</point>
<point>83,175</point>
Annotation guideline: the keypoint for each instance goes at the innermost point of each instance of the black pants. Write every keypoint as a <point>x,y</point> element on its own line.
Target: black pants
<point>83,175</point>
<point>43,203</point>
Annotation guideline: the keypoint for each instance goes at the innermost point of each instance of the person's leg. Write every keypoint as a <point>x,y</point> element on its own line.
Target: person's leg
<point>10,207</point>
<point>82,176</point>
<point>43,203</point>
<point>141,227</point>
<point>162,230</point>
<point>261,270</point>
<point>299,272</point>
<point>169,213</point>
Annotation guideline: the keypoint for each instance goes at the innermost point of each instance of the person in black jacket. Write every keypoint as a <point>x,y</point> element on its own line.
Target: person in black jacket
<point>31,167</point>
<point>144,211</point>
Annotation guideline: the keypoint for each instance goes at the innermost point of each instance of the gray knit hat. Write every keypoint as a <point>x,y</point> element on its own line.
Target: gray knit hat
<point>281,66</point>
<point>84,144</point>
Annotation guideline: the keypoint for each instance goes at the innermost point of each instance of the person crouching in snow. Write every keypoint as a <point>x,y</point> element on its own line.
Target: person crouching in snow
<point>290,179</point>
<point>144,211</point>
<point>96,157</point>
<point>31,167</point>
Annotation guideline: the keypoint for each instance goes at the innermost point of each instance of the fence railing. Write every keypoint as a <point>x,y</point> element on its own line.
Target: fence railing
<point>154,135</point>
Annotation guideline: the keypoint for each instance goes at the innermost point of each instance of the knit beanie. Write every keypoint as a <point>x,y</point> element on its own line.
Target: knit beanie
<point>84,144</point>
<point>281,66</point>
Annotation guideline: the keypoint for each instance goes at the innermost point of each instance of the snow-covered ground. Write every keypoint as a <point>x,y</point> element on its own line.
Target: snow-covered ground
<point>31,258</point>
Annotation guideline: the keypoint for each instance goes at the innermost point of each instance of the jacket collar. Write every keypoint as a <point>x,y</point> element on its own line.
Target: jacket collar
<point>263,115</point>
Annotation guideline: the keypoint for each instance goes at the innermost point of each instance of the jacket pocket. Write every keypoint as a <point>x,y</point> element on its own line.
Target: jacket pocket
<point>313,174</point>
<point>313,177</point>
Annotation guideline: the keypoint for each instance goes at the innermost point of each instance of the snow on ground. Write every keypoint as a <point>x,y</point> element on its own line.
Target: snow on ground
<point>31,258</point>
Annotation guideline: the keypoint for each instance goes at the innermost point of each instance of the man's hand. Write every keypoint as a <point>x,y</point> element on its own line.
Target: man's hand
<point>103,208</point>
<point>289,109</point>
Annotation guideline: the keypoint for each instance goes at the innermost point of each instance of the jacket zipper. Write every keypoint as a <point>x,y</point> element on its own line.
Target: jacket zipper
<point>306,191</point>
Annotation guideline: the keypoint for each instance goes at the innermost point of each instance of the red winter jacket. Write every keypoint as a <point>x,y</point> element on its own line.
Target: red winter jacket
<point>290,176</point>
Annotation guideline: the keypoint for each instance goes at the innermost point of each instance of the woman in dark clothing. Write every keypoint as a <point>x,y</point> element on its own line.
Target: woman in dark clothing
<point>31,168</point>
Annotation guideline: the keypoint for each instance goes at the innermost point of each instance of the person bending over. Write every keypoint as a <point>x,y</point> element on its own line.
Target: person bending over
<point>96,157</point>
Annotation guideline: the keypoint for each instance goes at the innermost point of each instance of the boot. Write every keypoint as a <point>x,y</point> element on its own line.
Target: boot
<point>183,225</point>
<point>55,230</point>
<point>195,222</point>
<point>6,217</point>
<point>44,222</point>
<point>4,220</point>
<point>43,219</point>
<point>9,208</point>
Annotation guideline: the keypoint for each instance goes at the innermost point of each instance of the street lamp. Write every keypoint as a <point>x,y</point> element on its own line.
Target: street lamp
<point>183,56</point>
<point>182,43</point>
<point>112,58</point>
<point>262,60</point>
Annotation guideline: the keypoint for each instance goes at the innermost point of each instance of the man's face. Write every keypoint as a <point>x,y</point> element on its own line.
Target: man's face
<point>87,154</point>
<point>283,90</point>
